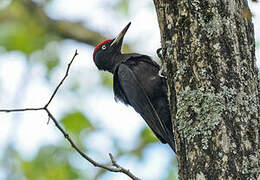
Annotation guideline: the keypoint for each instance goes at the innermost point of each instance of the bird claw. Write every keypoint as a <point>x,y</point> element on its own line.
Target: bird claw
<point>161,73</point>
<point>159,52</point>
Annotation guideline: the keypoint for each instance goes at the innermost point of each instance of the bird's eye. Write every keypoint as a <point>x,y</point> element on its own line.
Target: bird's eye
<point>103,47</point>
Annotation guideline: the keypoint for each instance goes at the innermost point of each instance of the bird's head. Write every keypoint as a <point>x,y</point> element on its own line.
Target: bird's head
<point>105,53</point>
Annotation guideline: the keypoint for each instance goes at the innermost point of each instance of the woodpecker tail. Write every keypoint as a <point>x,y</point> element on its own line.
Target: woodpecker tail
<point>172,145</point>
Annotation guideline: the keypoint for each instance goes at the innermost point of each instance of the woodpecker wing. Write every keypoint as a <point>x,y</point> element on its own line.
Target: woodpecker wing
<point>124,81</point>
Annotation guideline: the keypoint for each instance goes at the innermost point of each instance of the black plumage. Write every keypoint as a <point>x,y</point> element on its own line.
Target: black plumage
<point>136,82</point>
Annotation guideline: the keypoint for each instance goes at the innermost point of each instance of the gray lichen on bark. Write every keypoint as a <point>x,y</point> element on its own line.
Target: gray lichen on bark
<point>209,50</point>
<point>203,112</point>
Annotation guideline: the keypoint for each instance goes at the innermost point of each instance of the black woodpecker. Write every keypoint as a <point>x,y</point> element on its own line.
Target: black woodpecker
<point>136,82</point>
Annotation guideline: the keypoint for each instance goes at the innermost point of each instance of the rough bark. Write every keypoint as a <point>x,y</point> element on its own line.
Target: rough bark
<point>209,51</point>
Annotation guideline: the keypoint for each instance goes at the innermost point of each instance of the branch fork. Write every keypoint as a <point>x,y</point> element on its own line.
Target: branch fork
<point>116,168</point>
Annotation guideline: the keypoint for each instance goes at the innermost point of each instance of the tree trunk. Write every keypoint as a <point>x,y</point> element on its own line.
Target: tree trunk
<point>209,52</point>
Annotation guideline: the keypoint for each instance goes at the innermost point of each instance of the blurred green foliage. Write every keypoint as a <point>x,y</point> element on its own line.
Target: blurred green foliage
<point>123,7</point>
<point>172,175</point>
<point>148,136</point>
<point>107,79</point>
<point>53,161</point>
<point>75,122</point>
<point>20,30</point>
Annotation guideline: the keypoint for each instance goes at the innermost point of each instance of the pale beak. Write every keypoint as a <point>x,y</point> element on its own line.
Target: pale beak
<point>119,38</point>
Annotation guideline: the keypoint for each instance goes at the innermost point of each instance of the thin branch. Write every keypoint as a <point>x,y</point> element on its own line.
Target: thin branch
<point>66,135</point>
<point>48,120</point>
<point>113,160</point>
<point>116,168</point>
<point>19,110</point>
<point>123,170</point>
<point>66,74</point>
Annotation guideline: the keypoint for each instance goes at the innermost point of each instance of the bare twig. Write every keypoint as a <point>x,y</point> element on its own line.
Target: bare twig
<point>113,160</point>
<point>66,74</point>
<point>123,170</point>
<point>48,120</point>
<point>116,168</point>
<point>19,110</point>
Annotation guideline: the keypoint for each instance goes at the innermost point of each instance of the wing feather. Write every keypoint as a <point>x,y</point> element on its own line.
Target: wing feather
<point>138,99</point>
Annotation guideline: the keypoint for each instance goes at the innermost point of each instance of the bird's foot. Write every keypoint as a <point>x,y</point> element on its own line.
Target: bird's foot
<point>162,67</point>
<point>161,72</point>
<point>159,53</point>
